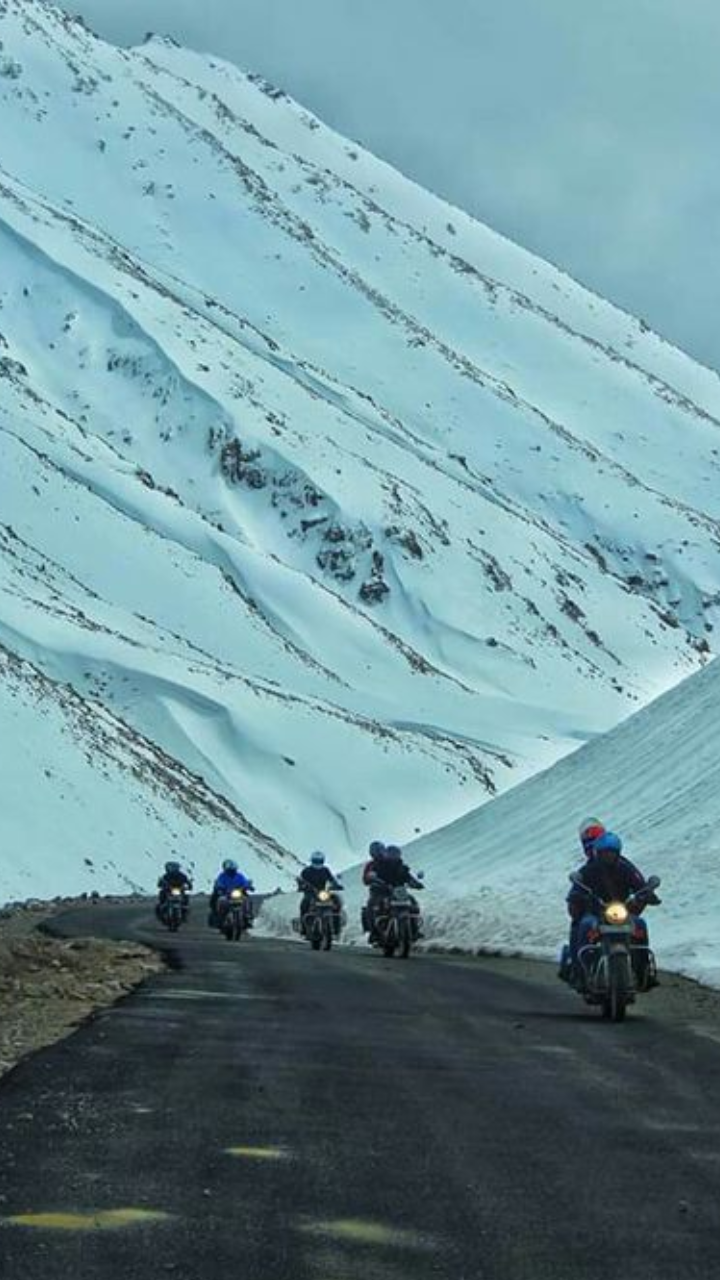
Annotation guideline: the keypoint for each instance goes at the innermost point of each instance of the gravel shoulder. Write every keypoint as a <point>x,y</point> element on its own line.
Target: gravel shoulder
<point>49,986</point>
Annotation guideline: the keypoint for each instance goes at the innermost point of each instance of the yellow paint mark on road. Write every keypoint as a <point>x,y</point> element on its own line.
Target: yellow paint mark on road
<point>102,1220</point>
<point>359,1231</point>
<point>257,1153</point>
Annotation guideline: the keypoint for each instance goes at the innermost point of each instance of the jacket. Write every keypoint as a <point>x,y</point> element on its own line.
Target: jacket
<point>394,873</point>
<point>619,880</point>
<point>370,869</point>
<point>174,880</point>
<point>228,880</point>
<point>315,878</point>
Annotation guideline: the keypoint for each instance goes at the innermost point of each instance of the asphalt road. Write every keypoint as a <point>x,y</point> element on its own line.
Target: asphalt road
<point>270,1113</point>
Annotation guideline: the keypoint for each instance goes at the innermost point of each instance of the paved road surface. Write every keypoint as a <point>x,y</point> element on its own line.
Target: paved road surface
<point>268,1113</point>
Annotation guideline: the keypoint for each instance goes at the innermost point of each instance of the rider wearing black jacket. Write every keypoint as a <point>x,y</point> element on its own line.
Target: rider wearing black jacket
<point>392,871</point>
<point>313,878</point>
<point>609,877</point>
<point>173,877</point>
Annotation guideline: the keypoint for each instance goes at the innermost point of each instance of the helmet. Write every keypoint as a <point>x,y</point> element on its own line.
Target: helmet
<point>377,849</point>
<point>589,831</point>
<point>393,853</point>
<point>229,865</point>
<point>317,859</point>
<point>172,866</point>
<point>607,847</point>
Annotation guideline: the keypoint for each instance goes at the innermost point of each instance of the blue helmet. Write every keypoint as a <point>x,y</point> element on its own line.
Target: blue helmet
<point>317,859</point>
<point>377,849</point>
<point>228,865</point>
<point>607,847</point>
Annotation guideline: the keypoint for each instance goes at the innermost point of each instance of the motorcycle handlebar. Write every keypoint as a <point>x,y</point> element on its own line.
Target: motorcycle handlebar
<point>646,891</point>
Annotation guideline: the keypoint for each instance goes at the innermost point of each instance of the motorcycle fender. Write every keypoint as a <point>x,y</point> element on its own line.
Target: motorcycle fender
<point>617,948</point>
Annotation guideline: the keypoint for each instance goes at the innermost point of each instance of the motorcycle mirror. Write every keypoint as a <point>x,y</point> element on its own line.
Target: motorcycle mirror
<point>653,882</point>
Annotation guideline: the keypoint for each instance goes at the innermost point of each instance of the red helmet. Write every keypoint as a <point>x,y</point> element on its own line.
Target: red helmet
<point>589,831</point>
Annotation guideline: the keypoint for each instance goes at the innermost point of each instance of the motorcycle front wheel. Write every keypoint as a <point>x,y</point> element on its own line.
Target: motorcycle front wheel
<point>405,938</point>
<point>389,945</point>
<point>615,1005</point>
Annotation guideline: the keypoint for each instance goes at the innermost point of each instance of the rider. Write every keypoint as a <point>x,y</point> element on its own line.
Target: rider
<point>376,852</point>
<point>589,831</point>
<point>230,878</point>
<point>314,877</point>
<point>609,876</point>
<point>392,872</point>
<point>173,877</point>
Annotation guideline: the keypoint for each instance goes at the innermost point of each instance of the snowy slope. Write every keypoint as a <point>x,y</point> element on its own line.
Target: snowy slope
<point>496,879</point>
<point>355,510</point>
<point>89,803</point>
<point>655,779</point>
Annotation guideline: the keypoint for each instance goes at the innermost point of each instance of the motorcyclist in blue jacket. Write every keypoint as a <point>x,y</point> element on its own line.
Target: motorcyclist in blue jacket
<point>230,878</point>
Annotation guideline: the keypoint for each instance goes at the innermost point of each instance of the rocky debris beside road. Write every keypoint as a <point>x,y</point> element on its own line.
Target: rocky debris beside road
<point>48,986</point>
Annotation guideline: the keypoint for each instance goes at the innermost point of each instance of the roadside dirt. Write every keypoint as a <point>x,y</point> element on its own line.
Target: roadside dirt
<point>48,986</point>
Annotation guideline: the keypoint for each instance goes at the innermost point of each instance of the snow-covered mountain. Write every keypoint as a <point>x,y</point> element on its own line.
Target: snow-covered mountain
<point>349,507</point>
<point>88,803</point>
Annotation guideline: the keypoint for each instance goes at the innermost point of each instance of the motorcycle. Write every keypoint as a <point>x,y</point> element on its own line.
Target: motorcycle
<point>232,914</point>
<point>322,921</point>
<point>616,963</point>
<point>173,909</point>
<point>397,922</point>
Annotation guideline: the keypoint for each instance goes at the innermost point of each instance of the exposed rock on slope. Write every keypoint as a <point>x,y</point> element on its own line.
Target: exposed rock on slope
<point>290,471</point>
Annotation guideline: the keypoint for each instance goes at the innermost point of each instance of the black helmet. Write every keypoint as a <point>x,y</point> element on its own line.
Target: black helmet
<point>171,866</point>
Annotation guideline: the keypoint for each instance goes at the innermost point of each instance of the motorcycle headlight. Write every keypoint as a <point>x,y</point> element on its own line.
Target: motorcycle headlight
<point>616,913</point>
<point>324,896</point>
<point>236,893</point>
<point>176,893</point>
